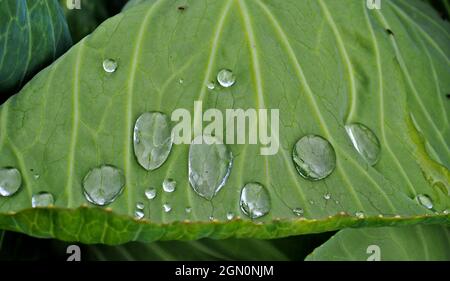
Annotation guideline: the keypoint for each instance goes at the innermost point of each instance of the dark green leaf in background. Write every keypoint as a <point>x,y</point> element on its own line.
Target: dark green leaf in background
<point>33,33</point>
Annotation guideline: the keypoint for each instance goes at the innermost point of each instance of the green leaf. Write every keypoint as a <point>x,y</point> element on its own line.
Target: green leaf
<point>32,35</point>
<point>413,243</point>
<point>324,64</point>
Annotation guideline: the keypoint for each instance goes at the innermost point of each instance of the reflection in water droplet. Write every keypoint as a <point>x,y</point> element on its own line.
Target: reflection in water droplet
<point>226,78</point>
<point>169,185</point>
<point>298,212</point>
<point>188,209</point>
<point>210,165</point>
<point>327,196</point>
<point>109,65</point>
<point>211,85</point>
<point>150,193</point>
<point>255,200</point>
<point>103,185</point>
<point>360,215</point>
<point>167,208</point>
<point>365,142</point>
<point>230,216</point>
<point>42,199</point>
<point>139,214</point>
<point>10,181</point>
<point>140,206</point>
<point>152,139</point>
<point>314,157</point>
<point>425,201</point>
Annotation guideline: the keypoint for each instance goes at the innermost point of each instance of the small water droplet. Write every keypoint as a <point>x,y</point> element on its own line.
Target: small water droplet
<point>139,214</point>
<point>103,185</point>
<point>230,216</point>
<point>365,142</point>
<point>425,201</point>
<point>311,202</point>
<point>10,181</point>
<point>169,185</point>
<point>211,218</point>
<point>181,81</point>
<point>150,193</point>
<point>255,200</point>
<point>167,208</point>
<point>140,206</point>
<point>109,65</point>
<point>42,199</point>
<point>36,176</point>
<point>327,196</point>
<point>152,139</point>
<point>211,85</point>
<point>314,157</point>
<point>298,212</point>
<point>359,214</point>
<point>188,209</point>
<point>226,78</point>
<point>210,164</point>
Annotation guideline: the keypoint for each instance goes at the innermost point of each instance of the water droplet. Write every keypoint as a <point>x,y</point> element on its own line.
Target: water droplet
<point>36,176</point>
<point>255,200</point>
<point>139,214</point>
<point>446,211</point>
<point>359,214</point>
<point>103,185</point>
<point>109,65</point>
<point>210,164</point>
<point>365,142</point>
<point>311,202</point>
<point>211,218</point>
<point>152,139</point>
<point>327,196</point>
<point>314,157</point>
<point>211,85</point>
<point>181,81</point>
<point>10,181</point>
<point>298,212</point>
<point>425,201</point>
<point>230,216</point>
<point>169,185</point>
<point>150,193</point>
<point>188,209</point>
<point>140,206</point>
<point>167,208</point>
<point>226,78</point>
<point>42,199</point>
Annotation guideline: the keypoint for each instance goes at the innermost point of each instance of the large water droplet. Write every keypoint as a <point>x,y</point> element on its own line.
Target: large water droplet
<point>365,142</point>
<point>10,181</point>
<point>42,199</point>
<point>314,157</point>
<point>425,201</point>
<point>167,208</point>
<point>169,185</point>
<point>255,200</point>
<point>109,65</point>
<point>226,78</point>
<point>103,185</point>
<point>152,139</point>
<point>210,164</point>
<point>150,193</point>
